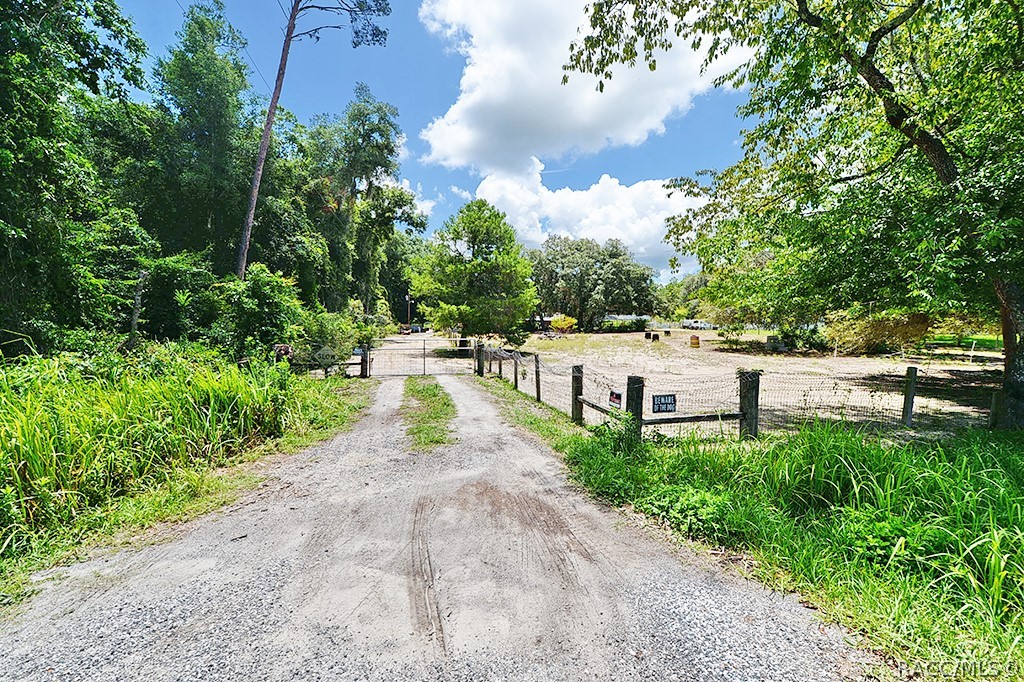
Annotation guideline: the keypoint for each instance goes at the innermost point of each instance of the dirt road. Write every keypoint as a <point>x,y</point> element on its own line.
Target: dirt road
<point>359,560</point>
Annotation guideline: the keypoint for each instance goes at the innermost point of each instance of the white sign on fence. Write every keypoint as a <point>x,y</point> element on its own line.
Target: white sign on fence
<point>615,399</point>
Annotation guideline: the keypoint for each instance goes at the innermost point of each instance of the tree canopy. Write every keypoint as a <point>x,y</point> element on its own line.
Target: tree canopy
<point>50,56</point>
<point>101,195</point>
<point>475,276</point>
<point>587,281</point>
<point>884,166</point>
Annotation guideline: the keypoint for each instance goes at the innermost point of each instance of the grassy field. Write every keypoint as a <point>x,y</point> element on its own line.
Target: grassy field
<point>918,548</point>
<point>979,341</point>
<point>90,450</point>
<point>428,411</point>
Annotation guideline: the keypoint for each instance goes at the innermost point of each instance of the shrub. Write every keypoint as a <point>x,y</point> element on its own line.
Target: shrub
<point>731,332</point>
<point>803,337</point>
<point>260,311</point>
<point>179,301</point>
<point>563,324</point>
<point>337,331</point>
<point>876,333</point>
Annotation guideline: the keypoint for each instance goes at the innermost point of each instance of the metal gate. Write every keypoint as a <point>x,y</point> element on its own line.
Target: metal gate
<point>412,355</point>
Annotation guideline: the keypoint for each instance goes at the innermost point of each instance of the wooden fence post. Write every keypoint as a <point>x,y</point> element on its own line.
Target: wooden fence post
<point>490,361</point>
<point>750,392</point>
<point>364,363</point>
<point>515,368</point>
<point>479,352</point>
<point>577,393</point>
<point>536,371</point>
<point>501,373</point>
<point>909,391</point>
<point>635,401</point>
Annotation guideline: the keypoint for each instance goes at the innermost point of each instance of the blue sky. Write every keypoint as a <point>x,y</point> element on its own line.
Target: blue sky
<point>478,87</point>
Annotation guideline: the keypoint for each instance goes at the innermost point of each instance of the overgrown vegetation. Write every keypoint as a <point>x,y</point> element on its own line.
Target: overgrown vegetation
<point>113,210</point>
<point>918,547</point>
<point>428,411</point>
<point>89,443</point>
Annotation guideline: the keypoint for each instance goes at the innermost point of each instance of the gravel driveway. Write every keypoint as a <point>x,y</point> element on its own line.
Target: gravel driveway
<point>359,560</point>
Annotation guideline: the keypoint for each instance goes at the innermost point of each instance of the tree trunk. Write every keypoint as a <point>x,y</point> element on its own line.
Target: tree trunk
<point>268,125</point>
<point>1011,300</point>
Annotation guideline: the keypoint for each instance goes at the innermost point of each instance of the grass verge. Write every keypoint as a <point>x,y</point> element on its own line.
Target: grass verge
<point>917,547</point>
<point>88,460</point>
<point>608,344</point>
<point>428,411</point>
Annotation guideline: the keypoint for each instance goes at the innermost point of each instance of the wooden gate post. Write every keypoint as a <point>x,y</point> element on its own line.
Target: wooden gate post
<point>635,401</point>
<point>536,372</point>
<point>479,351</point>
<point>909,391</point>
<point>501,373</point>
<point>515,368</point>
<point>750,393</point>
<point>364,363</point>
<point>577,393</point>
<point>424,357</point>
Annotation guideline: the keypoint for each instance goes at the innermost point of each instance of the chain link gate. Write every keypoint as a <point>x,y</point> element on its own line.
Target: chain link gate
<point>405,356</point>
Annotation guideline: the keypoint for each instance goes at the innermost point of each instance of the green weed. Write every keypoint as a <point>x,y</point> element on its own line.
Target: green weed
<point>428,412</point>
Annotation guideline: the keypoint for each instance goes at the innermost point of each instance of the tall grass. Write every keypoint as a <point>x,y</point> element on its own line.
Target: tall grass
<point>74,435</point>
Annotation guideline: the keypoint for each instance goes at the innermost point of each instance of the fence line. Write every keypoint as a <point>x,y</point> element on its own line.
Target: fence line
<point>784,401</point>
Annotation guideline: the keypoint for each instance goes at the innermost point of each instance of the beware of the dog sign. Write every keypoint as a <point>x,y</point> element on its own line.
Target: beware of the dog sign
<point>663,403</point>
<point>615,399</point>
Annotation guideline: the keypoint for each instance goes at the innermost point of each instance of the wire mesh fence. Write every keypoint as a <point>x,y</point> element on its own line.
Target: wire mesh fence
<point>944,399</point>
<point>788,400</point>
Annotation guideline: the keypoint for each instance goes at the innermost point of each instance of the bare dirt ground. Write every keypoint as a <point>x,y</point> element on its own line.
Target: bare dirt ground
<point>359,560</point>
<point>950,394</point>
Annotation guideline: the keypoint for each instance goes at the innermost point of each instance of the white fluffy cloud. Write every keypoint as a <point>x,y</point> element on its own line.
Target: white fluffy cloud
<point>634,214</point>
<point>513,110</point>
<point>512,104</point>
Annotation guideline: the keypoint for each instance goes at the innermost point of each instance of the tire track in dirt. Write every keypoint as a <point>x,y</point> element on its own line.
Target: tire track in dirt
<point>422,593</point>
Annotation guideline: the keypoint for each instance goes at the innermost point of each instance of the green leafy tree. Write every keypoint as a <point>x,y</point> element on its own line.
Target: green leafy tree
<point>200,85</point>
<point>351,198</point>
<point>476,276</point>
<point>888,149</point>
<point>50,54</point>
<point>680,298</point>
<point>400,254</point>
<point>587,281</point>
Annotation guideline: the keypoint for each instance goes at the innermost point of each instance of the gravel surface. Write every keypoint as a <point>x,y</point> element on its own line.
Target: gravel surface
<point>361,560</point>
